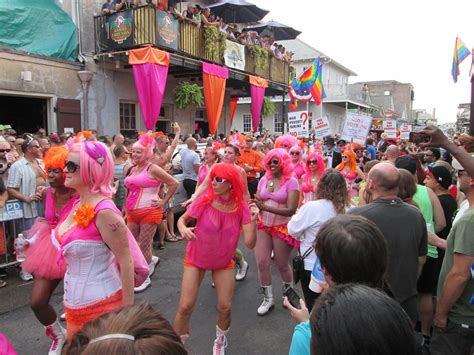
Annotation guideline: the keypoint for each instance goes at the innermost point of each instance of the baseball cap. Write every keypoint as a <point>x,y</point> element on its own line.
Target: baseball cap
<point>441,175</point>
<point>406,162</point>
<point>7,126</point>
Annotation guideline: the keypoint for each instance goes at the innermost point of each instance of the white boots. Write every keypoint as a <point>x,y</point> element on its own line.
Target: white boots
<point>220,343</point>
<point>267,303</point>
<point>58,335</point>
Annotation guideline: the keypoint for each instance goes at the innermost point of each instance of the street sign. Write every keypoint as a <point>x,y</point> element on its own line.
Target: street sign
<point>298,123</point>
<point>13,210</point>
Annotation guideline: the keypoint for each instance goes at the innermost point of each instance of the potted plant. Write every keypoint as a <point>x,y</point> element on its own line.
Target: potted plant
<point>186,94</point>
<point>268,107</point>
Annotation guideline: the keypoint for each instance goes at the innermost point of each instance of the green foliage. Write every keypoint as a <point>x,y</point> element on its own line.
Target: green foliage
<point>268,107</point>
<point>292,73</point>
<point>187,94</point>
<point>214,43</point>
<point>260,56</point>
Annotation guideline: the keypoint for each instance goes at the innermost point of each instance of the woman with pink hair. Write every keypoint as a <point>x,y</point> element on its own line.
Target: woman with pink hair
<point>314,169</point>
<point>144,208</point>
<point>285,142</point>
<point>349,169</point>
<point>277,199</point>
<point>93,240</point>
<point>296,154</point>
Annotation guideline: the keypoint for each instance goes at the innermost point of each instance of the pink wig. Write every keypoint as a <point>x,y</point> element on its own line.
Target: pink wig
<point>146,144</point>
<point>96,167</point>
<point>286,142</point>
<point>297,148</point>
<point>306,185</point>
<point>285,163</point>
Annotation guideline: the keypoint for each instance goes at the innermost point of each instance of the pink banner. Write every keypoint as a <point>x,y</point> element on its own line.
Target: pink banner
<point>257,94</point>
<point>150,81</point>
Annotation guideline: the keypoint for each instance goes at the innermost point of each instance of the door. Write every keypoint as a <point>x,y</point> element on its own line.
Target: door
<point>69,114</point>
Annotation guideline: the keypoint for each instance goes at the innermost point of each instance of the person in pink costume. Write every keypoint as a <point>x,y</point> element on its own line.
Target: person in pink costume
<point>221,214</point>
<point>285,142</point>
<point>296,154</point>
<point>314,169</point>
<point>277,199</point>
<point>41,255</point>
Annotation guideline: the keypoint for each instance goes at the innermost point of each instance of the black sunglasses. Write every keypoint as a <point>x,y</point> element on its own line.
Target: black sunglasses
<point>71,167</point>
<point>274,162</point>
<point>5,150</point>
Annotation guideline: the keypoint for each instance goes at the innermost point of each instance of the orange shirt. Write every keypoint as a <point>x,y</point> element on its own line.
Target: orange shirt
<point>252,159</point>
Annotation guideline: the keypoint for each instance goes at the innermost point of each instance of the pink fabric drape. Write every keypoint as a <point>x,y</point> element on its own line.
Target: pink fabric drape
<point>257,92</point>
<point>150,81</point>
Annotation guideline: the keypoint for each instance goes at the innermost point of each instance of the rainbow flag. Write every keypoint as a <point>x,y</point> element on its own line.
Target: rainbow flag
<point>318,90</point>
<point>460,53</point>
<point>293,104</point>
<point>300,88</point>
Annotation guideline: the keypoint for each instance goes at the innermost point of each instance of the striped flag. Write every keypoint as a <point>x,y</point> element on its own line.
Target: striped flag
<point>318,89</point>
<point>460,53</point>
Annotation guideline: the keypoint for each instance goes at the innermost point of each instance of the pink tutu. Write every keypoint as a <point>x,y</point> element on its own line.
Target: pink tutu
<point>42,256</point>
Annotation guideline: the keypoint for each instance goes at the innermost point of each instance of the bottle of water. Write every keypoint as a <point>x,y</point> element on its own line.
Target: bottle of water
<point>317,278</point>
<point>20,247</point>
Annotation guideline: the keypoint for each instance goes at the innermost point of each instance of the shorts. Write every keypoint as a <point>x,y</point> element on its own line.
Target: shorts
<point>188,263</point>
<point>428,280</point>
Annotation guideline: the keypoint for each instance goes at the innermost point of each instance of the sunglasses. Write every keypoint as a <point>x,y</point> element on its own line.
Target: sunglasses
<point>461,173</point>
<point>274,162</point>
<point>312,162</point>
<point>295,153</point>
<point>5,150</point>
<point>219,180</point>
<point>71,167</point>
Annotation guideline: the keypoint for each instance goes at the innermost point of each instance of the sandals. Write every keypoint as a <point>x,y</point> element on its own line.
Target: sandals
<point>171,238</point>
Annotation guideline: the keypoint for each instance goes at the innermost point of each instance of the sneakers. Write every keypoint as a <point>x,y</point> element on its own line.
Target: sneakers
<point>25,276</point>
<point>220,343</point>
<point>242,269</point>
<point>154,262</point>
<point>267,303</point>
<point>58,335</point>
<point>143,286</point>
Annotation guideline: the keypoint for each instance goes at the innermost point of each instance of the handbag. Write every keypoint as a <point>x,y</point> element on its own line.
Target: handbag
<point>298,265</point>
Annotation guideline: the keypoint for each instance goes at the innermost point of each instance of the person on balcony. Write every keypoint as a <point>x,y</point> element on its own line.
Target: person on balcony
<point>112,6</point>
<point>206,19</point>
<point>190,14</point>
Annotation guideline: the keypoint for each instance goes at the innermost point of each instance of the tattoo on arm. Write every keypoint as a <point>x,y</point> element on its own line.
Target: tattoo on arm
<point>115,226</point>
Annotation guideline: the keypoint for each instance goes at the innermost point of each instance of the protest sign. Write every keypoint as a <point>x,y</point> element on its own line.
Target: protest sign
<point>321,127</point>
<point>390,128</point>
<point>405,130</point>
<point>298,123</point>
<point>356,128</point>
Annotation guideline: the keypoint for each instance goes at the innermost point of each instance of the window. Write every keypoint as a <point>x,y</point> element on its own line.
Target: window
<point>128,118</point>
<point>387,93</point>
<point>247,123</point>
<point>200,114</point>
<point>278,123</point>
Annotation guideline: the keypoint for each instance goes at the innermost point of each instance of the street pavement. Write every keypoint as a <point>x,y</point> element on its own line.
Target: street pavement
<point>249,333</point>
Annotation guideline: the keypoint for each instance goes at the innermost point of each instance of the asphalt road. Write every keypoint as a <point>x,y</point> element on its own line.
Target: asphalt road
<point>249,333</point>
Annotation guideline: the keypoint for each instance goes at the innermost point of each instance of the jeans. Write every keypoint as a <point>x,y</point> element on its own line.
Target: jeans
<point>309,296</point>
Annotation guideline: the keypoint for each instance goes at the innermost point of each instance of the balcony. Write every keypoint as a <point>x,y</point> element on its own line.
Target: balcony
<point>147,26</point>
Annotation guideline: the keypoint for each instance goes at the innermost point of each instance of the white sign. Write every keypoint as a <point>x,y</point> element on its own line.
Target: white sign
<point>13,210</point>
<point>321,127</point>
<point>405,130</point>
<point>298,123</point>
<point>68,130</point>
<point>390,127</point>
<point>234,55</point>
<point>356,128</point>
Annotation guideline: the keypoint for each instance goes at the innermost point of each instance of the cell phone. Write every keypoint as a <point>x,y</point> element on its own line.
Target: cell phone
<point>293,297</point>
<point>418,137</point>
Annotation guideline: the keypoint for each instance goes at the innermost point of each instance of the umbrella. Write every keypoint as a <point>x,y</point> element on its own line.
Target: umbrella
<point>238,11</point>
<point>280,32</point>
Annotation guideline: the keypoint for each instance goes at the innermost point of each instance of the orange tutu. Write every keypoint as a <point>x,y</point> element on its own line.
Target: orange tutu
<point>145,215</point>
<point>188,263</point>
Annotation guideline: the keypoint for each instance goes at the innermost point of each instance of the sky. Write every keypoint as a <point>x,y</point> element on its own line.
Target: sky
<point>411,41</point>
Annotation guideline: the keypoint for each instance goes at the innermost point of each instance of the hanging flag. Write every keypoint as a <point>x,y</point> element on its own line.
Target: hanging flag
<point>257,92</point>
<point>318,90</point>
<point>460,53</point>
<point>214,78</point>
<point>300,88</point>
<point>233,107</point>
<point>293,104</point>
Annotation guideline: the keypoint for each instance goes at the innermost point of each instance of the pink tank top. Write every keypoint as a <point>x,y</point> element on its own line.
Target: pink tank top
<point>202,173</point>
<point>142,189</point>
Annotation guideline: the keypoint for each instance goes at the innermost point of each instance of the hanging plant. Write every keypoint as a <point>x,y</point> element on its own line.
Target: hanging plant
<point>186,94</point>
<point>292,73</point>
<point>268,107</point>
<point>214,43</point>
<point>260,56</point>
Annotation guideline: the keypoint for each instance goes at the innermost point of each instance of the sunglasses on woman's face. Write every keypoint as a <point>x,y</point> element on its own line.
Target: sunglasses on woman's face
<point>295,153</point>
<point>71,167</point>
<point>274,162</point>
<point>5,150</point>
<point>219,180</point>
<point>311,162</point>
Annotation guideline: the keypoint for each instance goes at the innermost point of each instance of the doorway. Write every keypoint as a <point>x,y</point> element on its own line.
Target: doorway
<point>24,114</point>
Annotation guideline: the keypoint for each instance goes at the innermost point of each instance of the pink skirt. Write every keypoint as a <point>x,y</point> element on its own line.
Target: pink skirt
<point>42,256</point>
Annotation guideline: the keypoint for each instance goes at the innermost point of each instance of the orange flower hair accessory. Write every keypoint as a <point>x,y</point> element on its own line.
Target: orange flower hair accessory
<point>84,215</point>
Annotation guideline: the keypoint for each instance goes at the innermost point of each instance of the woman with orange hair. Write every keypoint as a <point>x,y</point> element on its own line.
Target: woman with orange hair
<point>220,214</point>
<point>42,256</point>
<point>349,169</point>
<point>144,208</point>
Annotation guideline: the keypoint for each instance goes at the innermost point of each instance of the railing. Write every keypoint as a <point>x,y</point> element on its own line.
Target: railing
<point>346,92</point>
<point>144,25</point>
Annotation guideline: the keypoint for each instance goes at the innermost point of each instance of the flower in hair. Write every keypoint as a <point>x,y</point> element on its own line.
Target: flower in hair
<point>84,215</point>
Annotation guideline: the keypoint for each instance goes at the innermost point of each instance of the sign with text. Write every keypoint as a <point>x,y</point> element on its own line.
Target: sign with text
<point>356,128</point>
<point>405,130</point>
<point>390,128</point>
<point>298,123</point>
<point>167,30</point>
<point>13,210</point>
<point>234,55</point>
<point>321,127</point>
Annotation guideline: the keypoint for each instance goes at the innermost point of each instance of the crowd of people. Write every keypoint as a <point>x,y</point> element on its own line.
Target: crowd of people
<point>383,233</point>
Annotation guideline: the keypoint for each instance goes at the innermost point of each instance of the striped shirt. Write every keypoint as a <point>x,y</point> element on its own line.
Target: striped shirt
<point>22,177</point>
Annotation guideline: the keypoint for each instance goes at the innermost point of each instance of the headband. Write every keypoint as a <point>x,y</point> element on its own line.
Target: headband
<point>96,151</point>
<point>113,336</point>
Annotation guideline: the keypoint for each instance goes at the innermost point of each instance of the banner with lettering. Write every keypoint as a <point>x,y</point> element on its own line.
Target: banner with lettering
<point>390,128</point>
<point>356,128</point>
<point>298,123</point>
<point>321,127</point>
<point>167,30</point>
<point>405,130</point>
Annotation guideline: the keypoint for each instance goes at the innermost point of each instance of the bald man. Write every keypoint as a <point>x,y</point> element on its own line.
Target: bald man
<point>404,230</point>
<point>190,162</point>
<point>392,153</point>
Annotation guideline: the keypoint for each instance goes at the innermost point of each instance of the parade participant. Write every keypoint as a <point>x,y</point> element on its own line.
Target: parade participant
<point>41,255</point>
<point>93,240</point>
<point>220,214</point>
<point>210,158</point>
<point>296,154</point>
<point>314,169</point>
<point>332,157</point>
<point>251,162</point>
<point>349,169</point>
<point>277,198</point>
<point>144,208</point>
<point>286,142</point>
<point>331,199</point>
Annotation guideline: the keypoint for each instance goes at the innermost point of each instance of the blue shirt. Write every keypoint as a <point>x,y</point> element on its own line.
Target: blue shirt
<point>373,153</point>
<point>189,158</point>
<point>300,344</point>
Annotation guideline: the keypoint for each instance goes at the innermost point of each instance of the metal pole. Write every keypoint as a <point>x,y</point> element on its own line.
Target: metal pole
<point>471,116</point>
<point>283,119</point>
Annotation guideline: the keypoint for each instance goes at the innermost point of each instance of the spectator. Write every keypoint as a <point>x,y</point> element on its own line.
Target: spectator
<point>44,144</point>
<point>372,152</point>
<point>41,133</point>
<point>391,154</point>
<point>138,329</point>
<point>6,159</point>
<point>117,139</point>
<point>190,162</point>
<point>251,162</point>
<point>18,144</point>
<point>432,155</point>
<point>108,7</point>
<point>206,19</point>
<point>121,157</point>
<point>332,157</point>
<point>404,230</point>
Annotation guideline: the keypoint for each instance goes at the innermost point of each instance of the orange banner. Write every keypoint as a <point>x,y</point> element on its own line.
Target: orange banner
<point>214,92</point>
<point>148,55</point>
<point>258,81</point>
<point>233,107</point>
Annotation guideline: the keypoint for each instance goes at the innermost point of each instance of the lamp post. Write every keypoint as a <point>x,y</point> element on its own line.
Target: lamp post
<point>85,76</point>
